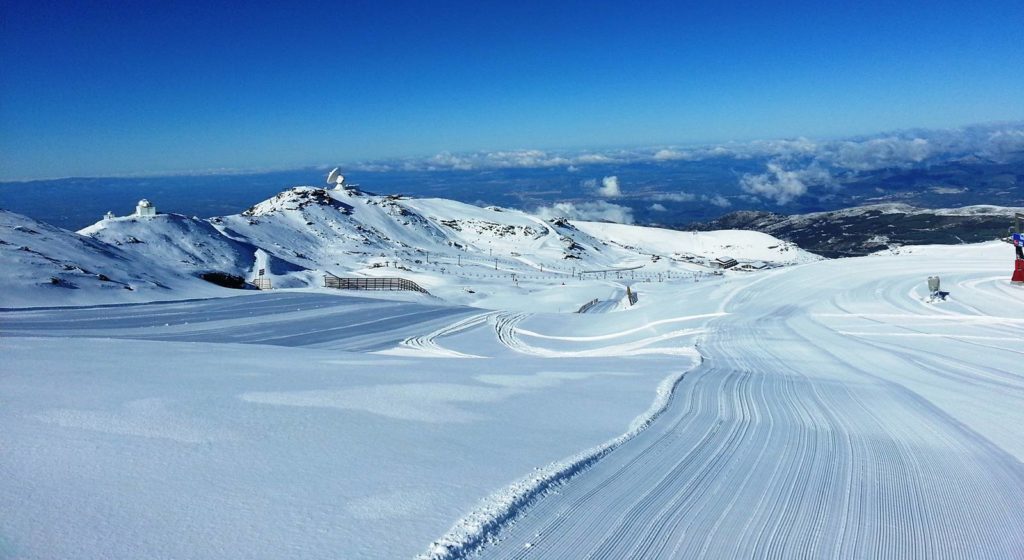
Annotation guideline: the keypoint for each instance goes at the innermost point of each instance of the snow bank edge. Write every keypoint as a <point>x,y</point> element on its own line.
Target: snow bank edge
<point>502,507</point>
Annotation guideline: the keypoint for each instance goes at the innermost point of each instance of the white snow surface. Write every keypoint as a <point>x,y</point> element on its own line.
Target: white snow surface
<point>748,245</point>
<point>282,424</point>
<point>814,409</point>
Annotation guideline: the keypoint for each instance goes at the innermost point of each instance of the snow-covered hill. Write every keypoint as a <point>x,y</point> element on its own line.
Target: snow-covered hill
<point>48,266</point>
<point>177,241</point>
<point>459,252</point>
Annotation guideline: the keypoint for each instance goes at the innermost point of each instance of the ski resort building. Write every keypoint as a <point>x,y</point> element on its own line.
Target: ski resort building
<point>726,262</point>
<point>145,208</point>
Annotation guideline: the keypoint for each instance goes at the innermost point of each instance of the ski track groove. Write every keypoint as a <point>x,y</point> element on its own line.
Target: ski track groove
<point>428,343</point>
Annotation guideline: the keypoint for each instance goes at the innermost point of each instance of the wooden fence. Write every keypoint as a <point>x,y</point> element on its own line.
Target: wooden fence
<point>386,283</point>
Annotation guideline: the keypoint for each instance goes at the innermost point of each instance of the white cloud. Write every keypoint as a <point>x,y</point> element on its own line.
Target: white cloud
<point>610,187</point>
<point>592,158</point>
<point>782,185</point>
<point>598,211</point>
<point>1003,143</point>
<point>879,153</point>
<point>672,155</point>
<point>855,155</point>
<point>673,197</point>
<point>779,149</point>
<point>371,167</point>
<point>658,207</point>
<point>451,161</point>
<point>717,200</point>
<point>522,159</point>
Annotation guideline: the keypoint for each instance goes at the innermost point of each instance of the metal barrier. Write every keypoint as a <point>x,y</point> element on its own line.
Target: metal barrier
<point>262,283</point>
<point>385,283</point>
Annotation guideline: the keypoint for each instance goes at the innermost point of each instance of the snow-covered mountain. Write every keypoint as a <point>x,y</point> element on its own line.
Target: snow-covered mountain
<point>459,252</point>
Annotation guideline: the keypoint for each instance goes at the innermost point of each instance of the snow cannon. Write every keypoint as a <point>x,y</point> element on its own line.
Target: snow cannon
<point>935,293</point>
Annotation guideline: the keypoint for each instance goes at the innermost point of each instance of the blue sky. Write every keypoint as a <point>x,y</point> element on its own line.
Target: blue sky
<point>101,88</point>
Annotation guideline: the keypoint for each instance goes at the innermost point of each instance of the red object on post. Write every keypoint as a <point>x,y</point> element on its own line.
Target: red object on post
<point>1018,272</point>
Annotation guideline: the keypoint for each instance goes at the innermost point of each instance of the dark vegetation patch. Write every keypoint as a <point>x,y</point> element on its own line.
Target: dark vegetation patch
<point>225,280</point>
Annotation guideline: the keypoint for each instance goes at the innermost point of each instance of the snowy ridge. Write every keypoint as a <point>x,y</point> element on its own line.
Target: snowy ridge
<point>486,257</point>
<point>506,505</point>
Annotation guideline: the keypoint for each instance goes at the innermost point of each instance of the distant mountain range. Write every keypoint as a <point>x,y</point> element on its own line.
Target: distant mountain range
<point>866,229</point>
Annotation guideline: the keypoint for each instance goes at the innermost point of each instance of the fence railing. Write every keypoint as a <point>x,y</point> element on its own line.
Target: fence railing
<point>384,283</point>
<point>586,306</point>
<point>262,283</point>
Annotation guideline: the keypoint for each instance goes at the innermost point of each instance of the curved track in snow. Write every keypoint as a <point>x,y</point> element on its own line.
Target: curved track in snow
<point>507,330</point>
<point>428,343</point>
<point>813,430</point>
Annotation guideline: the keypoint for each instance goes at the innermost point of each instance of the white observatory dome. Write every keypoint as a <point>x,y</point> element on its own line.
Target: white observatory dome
<point>145,208</point>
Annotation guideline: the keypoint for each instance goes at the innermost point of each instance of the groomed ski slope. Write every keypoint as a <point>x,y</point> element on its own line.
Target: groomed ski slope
<point>834,415</point>
<point>284,424</point>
